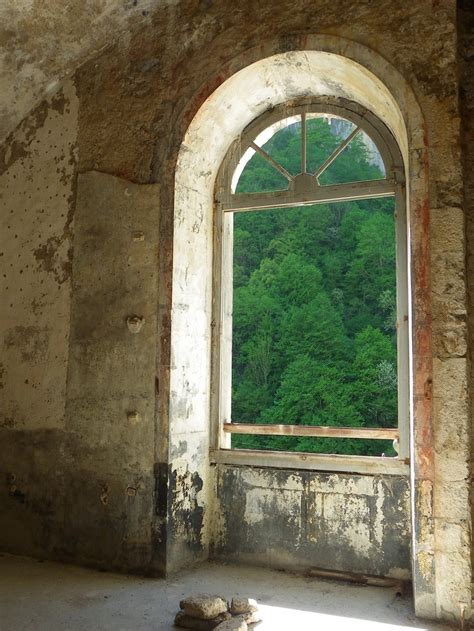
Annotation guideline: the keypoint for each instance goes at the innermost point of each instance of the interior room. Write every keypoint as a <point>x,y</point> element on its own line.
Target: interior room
<point>236,284</point>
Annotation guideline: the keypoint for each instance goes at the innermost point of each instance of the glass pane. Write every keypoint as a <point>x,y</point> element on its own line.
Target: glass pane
<point>359,161</point>
<point>282,142</point>
<point>259,176</point>
<point>314,331</point>
<point>324,134</point>
<point>285,146</point>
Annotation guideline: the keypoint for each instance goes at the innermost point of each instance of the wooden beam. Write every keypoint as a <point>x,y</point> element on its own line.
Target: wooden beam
<point>352,191</point>
<point>386,433</point>
<point>361,579</point>
<point>372,465</point>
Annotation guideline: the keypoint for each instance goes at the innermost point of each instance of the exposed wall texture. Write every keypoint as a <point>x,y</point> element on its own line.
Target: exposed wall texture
<point>37,193</point>
<point>43,42</point>
<point>304,519</point>
<point>37,203</point>
<point>466,53</point>
<point>83,489</point>
<point>91,469</point>
<point>111,385</point>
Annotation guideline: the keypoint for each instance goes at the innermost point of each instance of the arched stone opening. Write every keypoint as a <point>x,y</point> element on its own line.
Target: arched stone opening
<point>85,434</point>
<point>325,66</point>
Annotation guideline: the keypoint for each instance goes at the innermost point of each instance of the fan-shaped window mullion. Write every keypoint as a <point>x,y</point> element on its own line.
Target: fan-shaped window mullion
<point>337,152</point>
<point>271,161</point>
<point>306,186</point>
<point>303,142</point>
<point>319,145</point>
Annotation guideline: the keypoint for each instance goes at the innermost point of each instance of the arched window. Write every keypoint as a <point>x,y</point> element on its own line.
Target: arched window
<point>310,349</point>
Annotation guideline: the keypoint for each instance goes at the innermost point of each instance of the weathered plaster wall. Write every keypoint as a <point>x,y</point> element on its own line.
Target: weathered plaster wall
<point>80,485</point>
<point>36,197</point>
<point>111,383</point>
<point>466,54</point>
<point>351,523</point>
<point>43,42</point>
<point>136,100</point>
<point>37,184</point>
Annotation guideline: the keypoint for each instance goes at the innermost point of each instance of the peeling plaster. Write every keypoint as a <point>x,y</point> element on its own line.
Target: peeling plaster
<point>149,67</point>
<point>36,188</point>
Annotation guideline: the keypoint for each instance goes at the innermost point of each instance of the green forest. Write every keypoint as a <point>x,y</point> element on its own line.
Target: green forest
<point>314,303</point>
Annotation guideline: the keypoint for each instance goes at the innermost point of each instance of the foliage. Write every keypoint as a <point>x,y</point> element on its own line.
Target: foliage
<point>314,337</point>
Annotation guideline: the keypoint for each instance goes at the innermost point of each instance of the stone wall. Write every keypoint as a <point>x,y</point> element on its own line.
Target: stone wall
<point>466,54</point>
<point>84,450</point>
<point>37,210</point>
<point>302,519</point>
<point>37,191</point>
<point>78,387</point>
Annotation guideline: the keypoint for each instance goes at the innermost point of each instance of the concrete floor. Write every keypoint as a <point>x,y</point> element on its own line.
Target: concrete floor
<point>50,596</point>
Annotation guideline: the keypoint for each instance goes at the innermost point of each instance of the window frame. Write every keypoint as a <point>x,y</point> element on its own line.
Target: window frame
<point>225,204</point>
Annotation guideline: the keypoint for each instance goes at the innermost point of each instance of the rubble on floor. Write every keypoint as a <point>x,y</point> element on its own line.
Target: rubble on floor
<point>203,612</point>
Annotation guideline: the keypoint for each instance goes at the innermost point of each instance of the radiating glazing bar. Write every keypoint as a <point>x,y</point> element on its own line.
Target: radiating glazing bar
<point>337,152</point>
<point>303,142</point>
<point>269,159</point>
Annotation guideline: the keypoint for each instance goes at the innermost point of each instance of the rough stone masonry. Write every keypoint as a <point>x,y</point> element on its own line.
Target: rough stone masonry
<point>105,432</point>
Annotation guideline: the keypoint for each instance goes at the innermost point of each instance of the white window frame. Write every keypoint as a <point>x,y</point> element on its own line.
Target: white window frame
<point>304,191</point>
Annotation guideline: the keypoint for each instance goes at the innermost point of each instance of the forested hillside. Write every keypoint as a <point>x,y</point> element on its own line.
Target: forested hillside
<point>314,339</point>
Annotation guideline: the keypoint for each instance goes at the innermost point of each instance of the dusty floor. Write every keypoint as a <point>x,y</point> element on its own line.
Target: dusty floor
<point>49,596</point>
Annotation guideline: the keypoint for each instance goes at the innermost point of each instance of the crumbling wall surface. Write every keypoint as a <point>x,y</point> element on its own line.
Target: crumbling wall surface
<point>351,523</point>
<point>136,100</point>
<point>466,53</point>
<point>37,179</point>
<point>165,70</point>
<point>43,42</point>
<point>111,384</point>
<point>36,197</point>
<point>79,485</point>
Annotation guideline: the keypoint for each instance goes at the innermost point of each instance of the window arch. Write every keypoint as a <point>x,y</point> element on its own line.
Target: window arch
<point>309,183</point>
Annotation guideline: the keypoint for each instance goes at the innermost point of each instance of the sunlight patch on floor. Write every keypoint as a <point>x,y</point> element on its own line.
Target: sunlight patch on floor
<point>282,619</point>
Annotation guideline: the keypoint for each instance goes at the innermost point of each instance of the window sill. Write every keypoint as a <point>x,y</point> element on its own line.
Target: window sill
<point>316,462</point>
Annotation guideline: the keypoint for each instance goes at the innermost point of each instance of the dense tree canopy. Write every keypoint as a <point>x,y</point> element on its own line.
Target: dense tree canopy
<point>314,338</point>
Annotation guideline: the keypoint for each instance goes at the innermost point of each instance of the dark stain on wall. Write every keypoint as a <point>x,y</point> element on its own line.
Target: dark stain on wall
<point>160,526</point>
<point>47,257</point>
<point>306,519</point>
<point>186,515</point>
<point>31,341</point>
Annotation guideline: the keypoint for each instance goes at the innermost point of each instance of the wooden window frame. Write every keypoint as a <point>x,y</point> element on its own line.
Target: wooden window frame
<point>304,191</point>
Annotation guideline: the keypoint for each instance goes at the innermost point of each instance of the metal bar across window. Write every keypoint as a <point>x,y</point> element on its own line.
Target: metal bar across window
<point>317,431</point>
